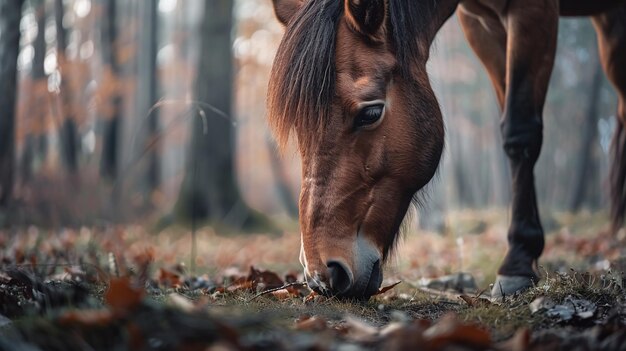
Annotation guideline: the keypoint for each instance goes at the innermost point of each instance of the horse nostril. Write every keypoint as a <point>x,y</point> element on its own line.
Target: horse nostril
<point>341,278</point>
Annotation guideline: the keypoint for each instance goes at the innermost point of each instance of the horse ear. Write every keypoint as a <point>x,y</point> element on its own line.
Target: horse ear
<point>366,16</point>
<point>285,9</point>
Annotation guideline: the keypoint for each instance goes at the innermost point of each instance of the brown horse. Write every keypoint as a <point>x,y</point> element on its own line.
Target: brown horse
<point>350,80</point>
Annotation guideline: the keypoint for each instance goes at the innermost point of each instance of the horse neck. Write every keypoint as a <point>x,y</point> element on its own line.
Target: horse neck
<point>443,11</point>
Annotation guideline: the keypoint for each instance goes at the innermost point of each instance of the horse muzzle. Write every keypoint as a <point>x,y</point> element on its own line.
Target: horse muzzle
<point>340,279</point>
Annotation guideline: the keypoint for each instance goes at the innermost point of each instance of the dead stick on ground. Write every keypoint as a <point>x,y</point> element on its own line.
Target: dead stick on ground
<point>269,291</point>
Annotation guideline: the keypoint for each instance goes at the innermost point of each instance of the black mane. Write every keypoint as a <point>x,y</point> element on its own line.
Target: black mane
<point>302,82</point>
<point>409,20</point>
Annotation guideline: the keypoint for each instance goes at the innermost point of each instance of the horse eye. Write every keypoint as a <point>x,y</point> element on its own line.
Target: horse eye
<point>369,115</point>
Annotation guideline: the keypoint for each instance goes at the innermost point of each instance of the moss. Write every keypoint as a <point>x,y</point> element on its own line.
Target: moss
<point>505,318</point>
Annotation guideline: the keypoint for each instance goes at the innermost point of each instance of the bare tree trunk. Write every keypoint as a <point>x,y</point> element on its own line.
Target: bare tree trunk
<point>68,134</point>
<point>10,16</point>
<point>209,190</point>
<point>147,93</point>
<point>35,144</point>
<point>585,160</point>
<point>111,121</point>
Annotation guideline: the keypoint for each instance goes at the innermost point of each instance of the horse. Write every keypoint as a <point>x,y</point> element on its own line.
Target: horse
<point>349,80</point>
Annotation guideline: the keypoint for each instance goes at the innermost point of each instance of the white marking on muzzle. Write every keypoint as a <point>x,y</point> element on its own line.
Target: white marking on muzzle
<point>303,254</point>
<point>312,279</point>
<point>365,254</point>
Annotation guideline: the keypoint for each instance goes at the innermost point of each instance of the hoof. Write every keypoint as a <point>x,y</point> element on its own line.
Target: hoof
<point>506,286</point>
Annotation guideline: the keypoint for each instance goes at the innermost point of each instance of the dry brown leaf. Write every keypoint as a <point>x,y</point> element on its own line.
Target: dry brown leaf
<point>313,297</point>
<point>121,296</point>
<point>144,257</point>
<point>265,279</point>
<point>298,291</point>
<point>386,288</point>
<point>358,330</point>
<point>282,294</point>
<point>291,277</point>
<point>475,301</point>
<point>239,285</point>
<point>449,330</point>
<point>398,336</point>
<point>311,323</point>
<point>87,318</point>
<point>169,278</point>
<point>18,253</point>
<point>232,273</point>
<point>519,341</point>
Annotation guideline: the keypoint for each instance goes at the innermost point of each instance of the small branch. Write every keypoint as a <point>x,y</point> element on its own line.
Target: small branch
<point>269,291</point>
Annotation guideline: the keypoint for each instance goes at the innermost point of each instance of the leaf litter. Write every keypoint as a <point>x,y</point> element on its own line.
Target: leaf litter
<point>104,300</point>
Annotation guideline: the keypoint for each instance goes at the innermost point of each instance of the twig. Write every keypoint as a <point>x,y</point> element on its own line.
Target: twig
<point>268,291</point>
<point>480,293</point>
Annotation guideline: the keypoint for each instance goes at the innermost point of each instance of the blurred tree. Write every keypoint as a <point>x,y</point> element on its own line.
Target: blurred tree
<point>68,133</point>
<point>10,16</point>
<point>585,160</point>
<point>40,78</point>
<point>147,91</point>
<point>110,94</point>
<point>209,190</point>
<point>36,144</point>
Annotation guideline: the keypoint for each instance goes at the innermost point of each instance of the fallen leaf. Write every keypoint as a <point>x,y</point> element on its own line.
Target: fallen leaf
<point>540,303</point>
<point>232,273</point>
<point>400,336</point>
<point>88,318</point>
<point>298,289</point>
<point>143,260</point>
<point>386,288</point>
<point>201,282</point>
<point>392,328</point>
<point>358,330</point>
<point>241,284</point>
<point>291,277</point>
<point>311,323</point>
<point>282,294</point>
<point>475,301</point>
<point>570,308</point>
<point>449,330</point>
<point>583,307</point>
<point>181,302</point>
<point>264,279</point>
<point>519,341</point>
<point>121,296</point>
<point>169,279</point>
<point>315,298</point>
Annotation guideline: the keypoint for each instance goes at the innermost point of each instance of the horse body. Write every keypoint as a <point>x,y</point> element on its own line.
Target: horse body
<point>350,81</point>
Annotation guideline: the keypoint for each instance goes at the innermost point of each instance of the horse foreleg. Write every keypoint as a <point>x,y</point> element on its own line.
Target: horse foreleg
<point>532,32</point>
<point>611,30</point>
<point>487,37</point>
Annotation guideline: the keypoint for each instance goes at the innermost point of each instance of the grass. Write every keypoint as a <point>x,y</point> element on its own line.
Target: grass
<point>472,238</point>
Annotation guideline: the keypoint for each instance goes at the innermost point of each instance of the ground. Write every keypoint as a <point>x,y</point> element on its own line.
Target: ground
<point>127,288</point>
